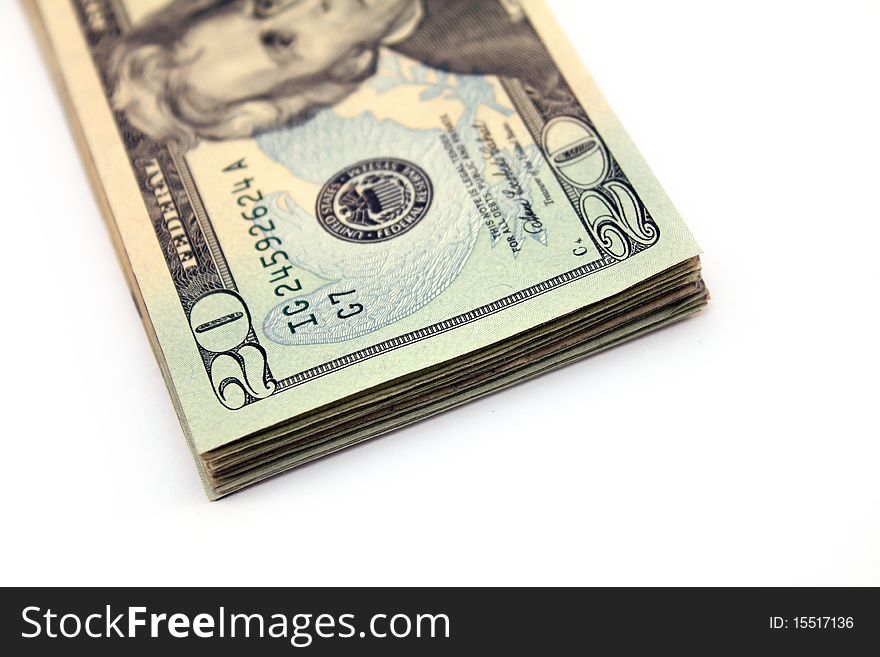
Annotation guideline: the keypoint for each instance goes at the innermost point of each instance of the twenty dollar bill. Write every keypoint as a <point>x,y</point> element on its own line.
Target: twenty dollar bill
<point>341,216</point>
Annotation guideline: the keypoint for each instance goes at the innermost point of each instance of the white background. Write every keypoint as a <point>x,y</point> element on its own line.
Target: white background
<point>740,447</point>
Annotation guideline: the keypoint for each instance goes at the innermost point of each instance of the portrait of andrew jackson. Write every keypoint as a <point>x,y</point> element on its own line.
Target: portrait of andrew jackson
<point>227,69</point>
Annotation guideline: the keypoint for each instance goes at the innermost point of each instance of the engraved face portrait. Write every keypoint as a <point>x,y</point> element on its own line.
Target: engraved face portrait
<point>227,69</point>
<point>263,47</point>
<point>220,69</point>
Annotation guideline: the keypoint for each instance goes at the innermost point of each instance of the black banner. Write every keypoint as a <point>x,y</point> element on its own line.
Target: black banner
<point>437,621</point>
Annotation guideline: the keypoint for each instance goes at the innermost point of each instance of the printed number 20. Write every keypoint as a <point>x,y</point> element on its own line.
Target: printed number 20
<point>220,323</point>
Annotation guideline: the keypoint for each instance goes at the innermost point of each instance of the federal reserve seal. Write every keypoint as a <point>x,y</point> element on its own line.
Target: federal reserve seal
<point>374,200</point>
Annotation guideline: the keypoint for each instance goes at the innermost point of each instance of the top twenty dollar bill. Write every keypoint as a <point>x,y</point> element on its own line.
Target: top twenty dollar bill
<point>314,198</point>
